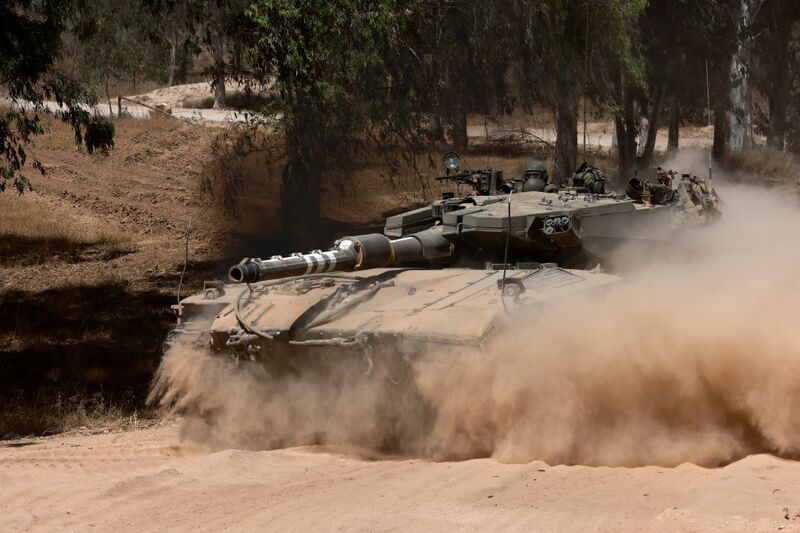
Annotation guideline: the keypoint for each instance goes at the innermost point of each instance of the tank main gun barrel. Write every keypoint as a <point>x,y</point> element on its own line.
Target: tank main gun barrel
<point>350,253</point>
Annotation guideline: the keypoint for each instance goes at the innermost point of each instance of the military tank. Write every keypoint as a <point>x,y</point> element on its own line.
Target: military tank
<point>448,274</point>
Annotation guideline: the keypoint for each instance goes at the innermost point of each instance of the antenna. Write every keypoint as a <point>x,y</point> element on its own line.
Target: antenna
<point>185,257</point>
<point>585,77</point>
<point>486,133</point>
<point>708,120</point>
<point>505,255</point>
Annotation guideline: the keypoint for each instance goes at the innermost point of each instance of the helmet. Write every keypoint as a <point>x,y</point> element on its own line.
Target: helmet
<point>535,177</point>
<point>536,166</point>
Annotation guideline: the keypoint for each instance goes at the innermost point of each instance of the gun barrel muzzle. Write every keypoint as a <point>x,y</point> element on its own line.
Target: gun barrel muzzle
<point>250,271</point>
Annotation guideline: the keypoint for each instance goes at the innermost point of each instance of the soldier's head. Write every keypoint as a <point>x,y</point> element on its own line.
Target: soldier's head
<point>535,177</point>
<point>536,169</point>
<point>664,177</point>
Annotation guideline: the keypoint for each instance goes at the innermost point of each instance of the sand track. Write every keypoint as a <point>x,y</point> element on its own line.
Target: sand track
<point>148,480</point>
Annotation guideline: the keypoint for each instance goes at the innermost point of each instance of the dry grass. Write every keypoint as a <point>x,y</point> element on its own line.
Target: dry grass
<point>130,127</point>
<point>766,164</point>
<point>47,415</point>
<point>59,135</point>
<point>28,217</point>
<point>35,232</point>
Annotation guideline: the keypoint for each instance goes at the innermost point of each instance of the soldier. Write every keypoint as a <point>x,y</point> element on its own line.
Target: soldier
<point>535,177</point>
<point>664,176</point>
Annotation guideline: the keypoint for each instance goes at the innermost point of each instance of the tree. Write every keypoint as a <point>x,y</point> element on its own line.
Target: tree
<point>741,98</point>
<point>173,23</point>
<point>30,43</point>
<point>774,65</point>
<point>112,48</point>
<point>793,107</point>
<point>219,26</point>
<point>678,39</point>
<point>464,64</point>
<point>675,44</point>
<point>552,58</point>
<point>341,72</point>
<point>728,30</point>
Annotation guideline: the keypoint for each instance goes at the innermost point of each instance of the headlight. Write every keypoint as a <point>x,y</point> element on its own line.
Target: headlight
<point>451,160</point>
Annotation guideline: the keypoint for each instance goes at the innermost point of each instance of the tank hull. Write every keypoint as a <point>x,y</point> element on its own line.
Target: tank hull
<point>415,311</point>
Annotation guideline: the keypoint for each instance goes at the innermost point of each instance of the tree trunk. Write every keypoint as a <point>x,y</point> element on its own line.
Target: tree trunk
<point>721,133</point>
<point>460,135</point>
<point>614,151</point>
<point>654,120</point>
<point>218,70</point>
<point>108,97</point>
<point>779,84</point>
<point>674,124</point>
<point>776,135</point>
<point>721,105</point>
<point>301,193</point>
<point>182,67</point>
<point>741,118</point>
<point>435,129</point>
<point>625,128</point>
<point>173,52</point>
<point>566,149</point>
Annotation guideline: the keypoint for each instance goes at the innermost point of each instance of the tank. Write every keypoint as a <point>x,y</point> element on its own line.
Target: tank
<point>449,274</point>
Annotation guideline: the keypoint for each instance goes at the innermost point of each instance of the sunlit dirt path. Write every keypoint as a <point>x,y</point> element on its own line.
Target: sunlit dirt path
<point>148,480</point>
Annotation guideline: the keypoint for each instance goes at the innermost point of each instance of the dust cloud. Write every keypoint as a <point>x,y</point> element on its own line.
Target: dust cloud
<point>332,401</point>
<point>695,358</point>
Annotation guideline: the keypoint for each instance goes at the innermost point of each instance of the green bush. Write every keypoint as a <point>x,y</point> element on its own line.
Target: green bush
<point>99,135</point>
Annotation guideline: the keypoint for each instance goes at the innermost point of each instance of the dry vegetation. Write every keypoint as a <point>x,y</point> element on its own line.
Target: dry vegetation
<point>768,166</point>
<point>44,415</point>
<point>89,262</point>
<point>24,217</point>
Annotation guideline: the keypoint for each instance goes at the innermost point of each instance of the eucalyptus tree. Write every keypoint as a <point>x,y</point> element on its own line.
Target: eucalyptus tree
<point>776,63</point>
<point>31,41</point>
<point>564,47</point>
<point>342,73</point>
<point>679,39</point>
<point>464,65</point>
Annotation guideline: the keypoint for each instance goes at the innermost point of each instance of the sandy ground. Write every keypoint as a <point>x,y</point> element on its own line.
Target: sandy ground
<point>148,480</point>
<point>140,111</point>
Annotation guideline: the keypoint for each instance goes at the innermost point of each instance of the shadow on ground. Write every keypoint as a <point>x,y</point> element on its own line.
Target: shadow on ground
<point>23,251</point>
<point>74,344</point>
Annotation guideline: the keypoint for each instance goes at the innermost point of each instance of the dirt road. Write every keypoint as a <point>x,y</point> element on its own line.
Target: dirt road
<point>148,480</point>
<point>600,134</point>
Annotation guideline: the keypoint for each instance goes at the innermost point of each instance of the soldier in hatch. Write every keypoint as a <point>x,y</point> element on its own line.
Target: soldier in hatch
<point>535,177</point>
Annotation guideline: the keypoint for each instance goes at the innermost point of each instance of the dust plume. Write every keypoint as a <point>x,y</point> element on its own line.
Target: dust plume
<point>332,402</point>
<point>693,359</point>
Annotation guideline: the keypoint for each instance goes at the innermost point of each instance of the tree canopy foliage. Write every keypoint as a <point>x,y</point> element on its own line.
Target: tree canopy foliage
<point>343,72</point>
<point>30,43</point>
<point>344,75</point>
